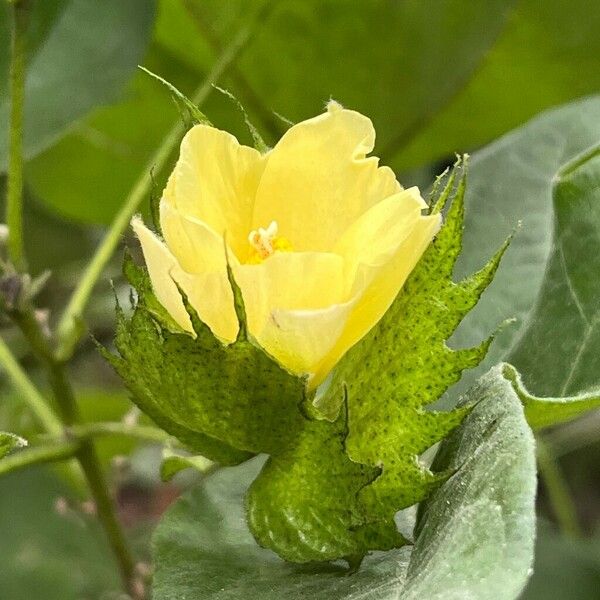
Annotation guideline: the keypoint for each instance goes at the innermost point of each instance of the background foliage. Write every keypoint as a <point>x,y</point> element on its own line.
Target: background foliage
<point>437,77</point>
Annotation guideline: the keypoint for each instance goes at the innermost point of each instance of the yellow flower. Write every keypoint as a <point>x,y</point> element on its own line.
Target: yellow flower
<point>320,238</point>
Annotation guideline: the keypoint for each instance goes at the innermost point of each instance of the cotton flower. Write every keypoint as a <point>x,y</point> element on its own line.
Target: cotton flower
<point>320,238</point>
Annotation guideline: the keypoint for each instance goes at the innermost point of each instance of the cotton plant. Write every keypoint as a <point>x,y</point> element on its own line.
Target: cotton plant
<point>289,338</point>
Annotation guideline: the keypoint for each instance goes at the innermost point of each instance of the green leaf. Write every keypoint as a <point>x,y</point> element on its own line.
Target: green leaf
<point>544,412</point>
<point>295,65</point>
<point>80,60</point>
<point>475,535</point>
<point>46,554</point>
<point>475,540</point>
<point>10,442</point>
<point>404,364</point>
<point>559,351</point>
<point>548,54</point>
<point>511,182</point>
<point>175,462</point>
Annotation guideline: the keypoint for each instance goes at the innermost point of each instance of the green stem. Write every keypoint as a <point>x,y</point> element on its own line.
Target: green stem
<point>69,329</point>
<point>14,189</point>
<point>28,392</point>
<point>141,432</point>
<point>86,453</point>
<point>37,455</point>
<point>558,492</point>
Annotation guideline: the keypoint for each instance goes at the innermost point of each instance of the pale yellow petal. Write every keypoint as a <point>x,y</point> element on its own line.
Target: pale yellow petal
<point>375,236</point>
<point>290,281</point>
<point>300,339</point>
<point>215,180</point>
<point>197,247</point>
<point>209,293</point>
<point>162,265</point>
<point>382,286</point>
<point>317,180</point>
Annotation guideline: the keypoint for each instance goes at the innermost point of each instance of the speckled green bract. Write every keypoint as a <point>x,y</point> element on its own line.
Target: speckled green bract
<point>228,402</point>
<point>10,442</point>
<point>335,478</point>
<point>404,364</point>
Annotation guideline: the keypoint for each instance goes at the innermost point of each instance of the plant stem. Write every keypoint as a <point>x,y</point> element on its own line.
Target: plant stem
<point>69,329</point>
<point>28,392</point>
<point>14,188</point>
<point>140,432</point>
<point>38,455</point>
<point>558,492</point>
<point>86,453</point>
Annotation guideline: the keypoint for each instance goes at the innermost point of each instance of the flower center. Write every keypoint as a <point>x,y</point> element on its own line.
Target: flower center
<point>265,242</point>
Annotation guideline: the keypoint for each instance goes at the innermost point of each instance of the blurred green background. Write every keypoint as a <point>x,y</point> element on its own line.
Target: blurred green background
<point>436,76</point>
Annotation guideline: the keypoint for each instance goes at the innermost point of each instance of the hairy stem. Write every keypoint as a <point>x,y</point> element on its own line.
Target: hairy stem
<point>558,492</point>
<point>14,190</point>
<point>69,327</point>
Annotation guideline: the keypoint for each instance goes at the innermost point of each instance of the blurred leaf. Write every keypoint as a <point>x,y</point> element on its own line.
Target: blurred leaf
<point>46,555</point>
<point>512,181</point>
<point>548,54</point>
<point>388,60</point>
<point>10,442</point>
<point>564,567</point>
<point>475,540</point>
<point>104,154</point>
<point>80,62</point>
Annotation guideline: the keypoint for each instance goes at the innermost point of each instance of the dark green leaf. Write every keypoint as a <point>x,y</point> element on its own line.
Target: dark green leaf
<point>559,351</point>
<point>548,54</point>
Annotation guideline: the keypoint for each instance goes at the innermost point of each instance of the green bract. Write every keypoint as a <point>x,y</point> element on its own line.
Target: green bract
<point>343,463</point>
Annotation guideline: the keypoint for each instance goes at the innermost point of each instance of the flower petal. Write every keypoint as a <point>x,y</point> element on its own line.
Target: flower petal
<point>381,287</point>
<point>300,339</point>
<point>197,247</point>
<point>209,293</point>
<point>376,235</point>
<point>290,281</point>
<point>317,180</point>
<point>215,180</point>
